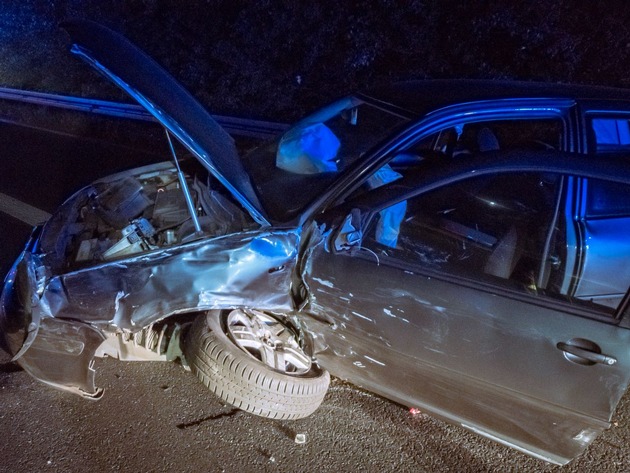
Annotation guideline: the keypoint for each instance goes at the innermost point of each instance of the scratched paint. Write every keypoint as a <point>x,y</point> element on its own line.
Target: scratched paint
<point>128,296</point>
<point>324,283</point>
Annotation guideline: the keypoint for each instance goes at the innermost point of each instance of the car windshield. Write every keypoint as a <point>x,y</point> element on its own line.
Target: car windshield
<point>293,170</point>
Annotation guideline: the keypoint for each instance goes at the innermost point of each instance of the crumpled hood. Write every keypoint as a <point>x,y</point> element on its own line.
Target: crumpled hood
<point>172,105</point>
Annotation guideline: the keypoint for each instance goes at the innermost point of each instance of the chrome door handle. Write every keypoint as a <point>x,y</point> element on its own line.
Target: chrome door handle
<point>587,355</point>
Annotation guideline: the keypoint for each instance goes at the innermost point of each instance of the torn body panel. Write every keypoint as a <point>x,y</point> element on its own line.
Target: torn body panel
<point>62,355</point>
<point>424,341</point>
<point>78,310</point>
<point>120,256</point>
<point>234,270</point>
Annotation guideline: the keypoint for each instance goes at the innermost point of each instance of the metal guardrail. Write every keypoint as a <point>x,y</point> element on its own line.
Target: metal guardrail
<point>233,125</point>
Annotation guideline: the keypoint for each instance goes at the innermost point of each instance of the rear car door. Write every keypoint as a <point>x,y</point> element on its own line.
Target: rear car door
<point>602,212</point>
<point>464,314</point>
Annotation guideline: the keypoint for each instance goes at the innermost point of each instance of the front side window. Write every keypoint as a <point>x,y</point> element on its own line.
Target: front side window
<point>505,230</point>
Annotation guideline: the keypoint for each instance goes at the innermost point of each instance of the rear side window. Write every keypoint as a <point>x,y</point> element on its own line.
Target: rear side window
<point>607,199</point>
<point>611,134</point>
<point>479,137</point>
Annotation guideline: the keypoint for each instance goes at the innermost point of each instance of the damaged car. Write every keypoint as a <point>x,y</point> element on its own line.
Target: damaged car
<point>459,247</point>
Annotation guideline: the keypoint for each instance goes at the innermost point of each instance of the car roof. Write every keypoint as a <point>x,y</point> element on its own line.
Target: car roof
<point>423,96</point>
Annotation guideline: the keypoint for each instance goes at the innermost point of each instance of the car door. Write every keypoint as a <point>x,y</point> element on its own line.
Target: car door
<point>464,315</point>
<point>602,211</point>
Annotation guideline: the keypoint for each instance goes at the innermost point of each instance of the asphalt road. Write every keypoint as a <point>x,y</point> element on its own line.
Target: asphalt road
<point>158,417</point>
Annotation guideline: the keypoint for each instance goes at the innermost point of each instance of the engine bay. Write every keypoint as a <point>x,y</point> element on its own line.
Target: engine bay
<point>136,212</point>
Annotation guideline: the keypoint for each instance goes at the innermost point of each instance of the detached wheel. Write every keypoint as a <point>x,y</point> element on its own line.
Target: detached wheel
<point>255,362</point>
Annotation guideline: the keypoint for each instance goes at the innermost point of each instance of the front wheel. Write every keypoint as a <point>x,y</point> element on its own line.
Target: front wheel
<point>255,362</point>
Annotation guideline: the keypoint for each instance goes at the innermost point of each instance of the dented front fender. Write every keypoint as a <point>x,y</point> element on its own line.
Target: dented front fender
<point>251,269</point>
<point>56,326</point>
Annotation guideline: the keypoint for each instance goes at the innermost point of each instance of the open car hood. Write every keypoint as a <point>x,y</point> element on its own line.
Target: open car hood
<point>172,105</point>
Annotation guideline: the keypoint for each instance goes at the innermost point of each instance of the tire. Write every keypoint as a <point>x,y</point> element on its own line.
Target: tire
<point>221,349</point>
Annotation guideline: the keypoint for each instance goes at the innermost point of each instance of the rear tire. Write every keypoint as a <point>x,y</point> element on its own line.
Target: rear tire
<point>235,354</point>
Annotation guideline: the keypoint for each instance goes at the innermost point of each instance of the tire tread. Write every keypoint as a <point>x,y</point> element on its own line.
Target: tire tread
<point>247,384</point>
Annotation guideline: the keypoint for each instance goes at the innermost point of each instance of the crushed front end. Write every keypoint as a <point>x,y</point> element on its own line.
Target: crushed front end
<point>57,352</point>
<point>94,282</point>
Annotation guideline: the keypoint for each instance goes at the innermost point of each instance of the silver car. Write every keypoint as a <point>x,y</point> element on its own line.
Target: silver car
<point>459,247</point>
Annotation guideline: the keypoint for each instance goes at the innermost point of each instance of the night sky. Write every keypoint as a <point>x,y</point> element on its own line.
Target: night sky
<point>277,60</point>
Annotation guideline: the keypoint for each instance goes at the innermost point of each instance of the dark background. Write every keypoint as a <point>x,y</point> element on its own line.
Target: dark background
<point>278,59</point>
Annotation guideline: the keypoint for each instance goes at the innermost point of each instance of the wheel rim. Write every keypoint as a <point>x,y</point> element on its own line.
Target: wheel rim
<point>268,340</point>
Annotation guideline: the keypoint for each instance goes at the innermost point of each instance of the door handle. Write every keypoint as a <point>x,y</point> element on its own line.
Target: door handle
<point>588,356</point>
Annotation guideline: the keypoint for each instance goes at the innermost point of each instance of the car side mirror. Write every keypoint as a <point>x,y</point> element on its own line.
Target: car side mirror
<point>349,234</point>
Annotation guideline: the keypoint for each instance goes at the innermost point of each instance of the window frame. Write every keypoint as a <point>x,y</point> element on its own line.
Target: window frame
<point>383,197</point>
<point>447,117</point>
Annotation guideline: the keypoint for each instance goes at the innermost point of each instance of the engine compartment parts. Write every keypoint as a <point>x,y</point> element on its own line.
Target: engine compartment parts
<point>136,238</point>
<point>132,214</point>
